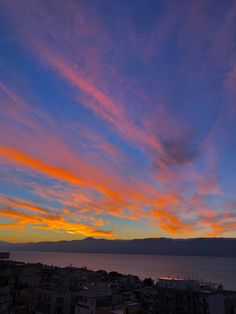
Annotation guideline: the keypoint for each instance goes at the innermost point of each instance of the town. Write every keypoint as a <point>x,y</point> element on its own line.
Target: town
<point>34,288</point>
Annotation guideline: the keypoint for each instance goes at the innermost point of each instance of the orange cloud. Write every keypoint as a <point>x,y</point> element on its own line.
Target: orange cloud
<point>19,157</point>
<point>171,223</point>
<point>167,200</point>
<point>219,223</point>
<point>22,204</point>
<point>50,222</point>
<point>28,161</point>
<point>40,218</point>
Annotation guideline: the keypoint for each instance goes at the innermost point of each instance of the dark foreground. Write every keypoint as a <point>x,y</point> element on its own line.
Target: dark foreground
<point>36,288</point>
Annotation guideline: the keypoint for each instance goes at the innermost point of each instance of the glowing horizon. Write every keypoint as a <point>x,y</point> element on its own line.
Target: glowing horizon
<point>117,119</point>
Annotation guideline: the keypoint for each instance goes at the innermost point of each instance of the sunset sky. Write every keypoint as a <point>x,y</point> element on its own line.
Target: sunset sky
<point>117,119</point>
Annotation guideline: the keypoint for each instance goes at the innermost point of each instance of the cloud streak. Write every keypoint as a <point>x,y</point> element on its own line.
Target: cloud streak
<point>40,218</point>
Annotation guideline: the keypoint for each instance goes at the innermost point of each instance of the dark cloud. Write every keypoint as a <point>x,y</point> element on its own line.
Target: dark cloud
<point>181,150</point>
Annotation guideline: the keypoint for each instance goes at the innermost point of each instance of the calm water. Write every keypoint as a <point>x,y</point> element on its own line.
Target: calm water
<point>215,269</point>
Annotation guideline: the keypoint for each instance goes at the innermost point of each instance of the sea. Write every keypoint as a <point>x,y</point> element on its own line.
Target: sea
<point>219,270</point>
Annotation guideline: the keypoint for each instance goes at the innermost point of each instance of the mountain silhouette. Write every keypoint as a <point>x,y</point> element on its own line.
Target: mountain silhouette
<point>151,246</point>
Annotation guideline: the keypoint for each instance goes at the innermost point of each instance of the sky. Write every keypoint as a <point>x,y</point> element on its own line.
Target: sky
<point>117,119</point>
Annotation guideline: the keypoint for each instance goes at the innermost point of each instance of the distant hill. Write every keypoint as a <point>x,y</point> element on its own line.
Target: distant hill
<point>152,246</point>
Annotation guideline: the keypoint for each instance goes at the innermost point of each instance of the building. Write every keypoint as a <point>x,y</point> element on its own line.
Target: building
<point>56,293</point>
<point>4,255</point>
<point>5,296</point>
<point>105,298</point>
<point>97,296</point>
<point>230,302</point>
<point>178,296</point>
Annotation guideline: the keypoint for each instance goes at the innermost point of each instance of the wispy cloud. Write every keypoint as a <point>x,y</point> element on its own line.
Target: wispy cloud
<point>40,218</point>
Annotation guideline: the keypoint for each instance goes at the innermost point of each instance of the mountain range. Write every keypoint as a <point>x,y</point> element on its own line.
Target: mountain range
<point>225,247</point>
